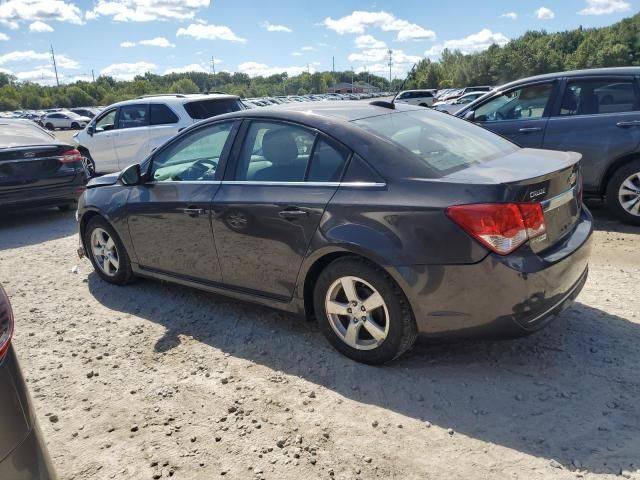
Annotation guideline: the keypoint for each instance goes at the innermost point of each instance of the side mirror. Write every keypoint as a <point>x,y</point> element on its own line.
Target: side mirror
<point>90,130</point>
<point>470,115</point>
<point>131,175</point>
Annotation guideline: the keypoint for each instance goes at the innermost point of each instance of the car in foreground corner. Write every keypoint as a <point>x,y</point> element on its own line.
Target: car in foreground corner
<point>382,220</point>
<point>36,169</point>
<point>23,454</point>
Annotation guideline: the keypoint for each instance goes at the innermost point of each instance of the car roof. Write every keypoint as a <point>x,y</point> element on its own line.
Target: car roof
<point>177,98</point>
<point>611,71</point>
<point>19,132</point>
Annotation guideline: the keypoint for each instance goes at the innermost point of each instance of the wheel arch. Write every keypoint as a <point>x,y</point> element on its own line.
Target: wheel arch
<point>611,170</point>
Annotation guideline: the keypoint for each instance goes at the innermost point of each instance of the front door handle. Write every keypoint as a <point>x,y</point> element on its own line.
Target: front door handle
<point>292,213</point>
<point>628,124</point>
<point>530,129</point>
<point>193,211</point>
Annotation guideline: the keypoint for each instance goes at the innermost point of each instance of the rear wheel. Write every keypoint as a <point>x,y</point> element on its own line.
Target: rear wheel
<point>49,126</point>
<point>88,163</point>
<point>623,193</point>
<point>106,252</point>
<point>362,312</point>
<point>75,126</point>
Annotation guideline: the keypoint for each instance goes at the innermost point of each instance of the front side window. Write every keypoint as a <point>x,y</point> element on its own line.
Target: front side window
<point>106,121</point>
<point>160,114</point>
<point>444,143</point>
<point>524,103</point>
<point>597,96</point>
<point>133,116</point>
<point>194,157</point>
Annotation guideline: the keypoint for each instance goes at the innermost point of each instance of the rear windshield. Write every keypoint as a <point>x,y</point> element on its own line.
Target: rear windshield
<point>445,143</point>
<point>201,109</point>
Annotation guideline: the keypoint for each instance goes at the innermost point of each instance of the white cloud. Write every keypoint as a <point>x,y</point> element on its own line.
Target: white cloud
<point>368,41</point>
<point>194,67</point>
<point>4,37</point>
<point>269,27</point>
<point>475,42</point>
<point>126,71</point>
<point>6,70</point>
<point>40,27</point>
<point>209,32</point>
<point>605,7</point>
<point>544,13</point>
<point>22,56</point>
<point>42,75</point>
<point>14,11</point>
<point>128,44</point>
<point>307,49</point>
<point>358,21</point>
<point>381,54</point>
<point>254,69</point>
<point>157,42</point>
<point>296,54</point>
<point>146,10</point>
<point>511,15</point>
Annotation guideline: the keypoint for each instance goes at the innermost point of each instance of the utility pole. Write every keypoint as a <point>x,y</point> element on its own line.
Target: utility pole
<point>55,68</point>
<point>213,70</point>
<point>308,71</point>
<point>390,52</point>
<point>93,76</point>
<point>352,87</point>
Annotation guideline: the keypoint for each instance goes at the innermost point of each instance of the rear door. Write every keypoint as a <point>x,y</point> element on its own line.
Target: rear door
<point>131,136</point>
<point>163,124</point>
<point>271,202</point>
<point>519,114</point>
<point>598,117</point>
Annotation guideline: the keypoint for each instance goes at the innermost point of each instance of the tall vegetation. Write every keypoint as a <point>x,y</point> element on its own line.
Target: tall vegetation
<point>533,53</point>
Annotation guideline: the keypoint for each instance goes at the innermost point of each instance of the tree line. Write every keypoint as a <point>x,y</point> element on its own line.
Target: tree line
<point>533,53</point>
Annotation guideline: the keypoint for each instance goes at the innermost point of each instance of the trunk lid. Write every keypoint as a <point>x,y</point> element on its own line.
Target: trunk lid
<point>547,177</point>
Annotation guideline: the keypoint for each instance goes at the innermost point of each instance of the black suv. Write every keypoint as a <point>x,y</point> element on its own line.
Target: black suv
<point>593,112</point>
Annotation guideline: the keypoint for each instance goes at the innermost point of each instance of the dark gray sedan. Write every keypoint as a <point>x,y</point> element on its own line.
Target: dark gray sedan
<point>593,112</point>
<point>23,455</point>
<point>381,220</point>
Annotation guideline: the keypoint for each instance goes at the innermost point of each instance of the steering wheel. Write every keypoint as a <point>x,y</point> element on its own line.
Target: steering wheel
<point>197,170</point>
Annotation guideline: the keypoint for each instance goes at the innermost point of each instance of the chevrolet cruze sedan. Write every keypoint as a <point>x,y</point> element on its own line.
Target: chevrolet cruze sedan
<point>23,455</point>
<point>382,220</point>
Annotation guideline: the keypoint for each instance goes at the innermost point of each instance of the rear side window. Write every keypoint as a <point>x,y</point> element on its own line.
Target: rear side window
<point>327,162</point>
<point>593,97</point>
<point>160,114</point>
<point>446,144</point>
<point>201,109</point>
<point>132,116</point>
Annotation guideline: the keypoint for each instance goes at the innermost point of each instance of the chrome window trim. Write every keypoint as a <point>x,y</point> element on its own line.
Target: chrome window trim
<point>268,184</point>
<point>558,200</point>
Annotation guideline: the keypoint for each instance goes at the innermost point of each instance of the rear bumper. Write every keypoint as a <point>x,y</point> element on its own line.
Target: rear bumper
<point>500,295</point>
<point>44,196</point>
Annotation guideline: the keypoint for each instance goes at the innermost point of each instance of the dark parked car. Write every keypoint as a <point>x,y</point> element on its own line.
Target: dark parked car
<point>383,220</point>
<point>593,112</point>
<point>23,455</point>
<point>36,169</point>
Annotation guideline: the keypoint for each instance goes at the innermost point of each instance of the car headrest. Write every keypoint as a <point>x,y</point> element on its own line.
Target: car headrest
<point>279,147</point>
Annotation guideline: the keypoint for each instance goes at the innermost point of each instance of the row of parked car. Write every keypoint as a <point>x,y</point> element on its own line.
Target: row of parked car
<point>254,102</point>
<point>57,118</point>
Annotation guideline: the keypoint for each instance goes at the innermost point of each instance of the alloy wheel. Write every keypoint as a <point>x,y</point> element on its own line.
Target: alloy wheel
<point>357,313</point>
<point>629,194</point>
<point>105,252</point>
<point>89,166</point>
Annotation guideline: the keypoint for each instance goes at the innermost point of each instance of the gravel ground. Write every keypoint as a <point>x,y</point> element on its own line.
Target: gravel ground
<point>154,380</point>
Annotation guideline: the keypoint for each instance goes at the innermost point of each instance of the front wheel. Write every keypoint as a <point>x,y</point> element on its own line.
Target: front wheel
<point>49,126</point>
<point>88,163</point>
<point>75,126</point>
<point>362,312</point>
<point>106,252</point>
<point>623,193</point>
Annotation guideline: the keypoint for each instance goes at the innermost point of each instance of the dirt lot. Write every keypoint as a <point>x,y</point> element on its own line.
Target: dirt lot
<point>154,381</point>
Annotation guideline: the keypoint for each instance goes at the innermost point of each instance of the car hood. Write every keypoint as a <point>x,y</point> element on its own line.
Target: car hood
<point>104,180</point>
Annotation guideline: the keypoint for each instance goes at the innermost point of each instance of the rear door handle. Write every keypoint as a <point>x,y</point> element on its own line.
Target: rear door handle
<point>630,123</point>
<point>293,213</point>
<point>530,129</point>
<point>193,211</point>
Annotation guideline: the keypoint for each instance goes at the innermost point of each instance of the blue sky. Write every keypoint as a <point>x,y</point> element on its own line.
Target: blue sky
<point>123,38</point>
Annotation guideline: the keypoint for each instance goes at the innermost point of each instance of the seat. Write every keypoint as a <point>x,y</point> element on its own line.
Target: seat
<point>280,149</point>
<point>589,103</point>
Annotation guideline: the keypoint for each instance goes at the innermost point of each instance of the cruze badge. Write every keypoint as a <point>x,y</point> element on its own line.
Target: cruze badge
<point>537,193</point>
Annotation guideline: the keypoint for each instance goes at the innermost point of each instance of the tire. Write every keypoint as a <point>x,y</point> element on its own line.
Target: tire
<point>628,174</point>
<point>123,273</point>
<point>75,126</point>
<point>49,126</point>
<point>393,318</point>
<point>88,162</point>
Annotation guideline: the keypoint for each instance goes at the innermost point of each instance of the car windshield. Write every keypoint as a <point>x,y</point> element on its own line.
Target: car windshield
<point>446,144</point>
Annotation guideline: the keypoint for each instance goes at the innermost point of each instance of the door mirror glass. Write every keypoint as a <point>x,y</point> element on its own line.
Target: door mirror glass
<point>90,130</point>
<point>131,175</point>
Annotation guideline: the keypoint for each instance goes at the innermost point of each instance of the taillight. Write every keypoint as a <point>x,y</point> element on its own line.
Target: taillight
<point>71,156</point>
<point>6,323</point>
<point>502,227</point>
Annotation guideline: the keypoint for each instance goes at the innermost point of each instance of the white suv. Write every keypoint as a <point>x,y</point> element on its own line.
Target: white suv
<point>64,119</point>
<point>423,98</point>
<point>125,133</point>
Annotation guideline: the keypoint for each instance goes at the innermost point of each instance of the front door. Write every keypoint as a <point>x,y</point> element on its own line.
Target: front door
<point>519,114</point>
<point>101,144</point>
<point>270,205</point>
<point>132,135</point>
<point>169,216</point>
<point>600,118</point>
